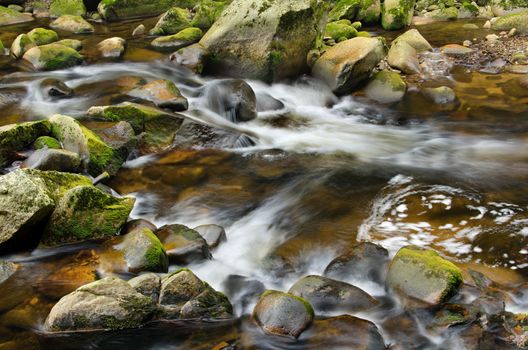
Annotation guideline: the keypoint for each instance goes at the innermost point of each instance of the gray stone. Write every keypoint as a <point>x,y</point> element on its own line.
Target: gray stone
<point>182,244</point>
<point>213,234</point>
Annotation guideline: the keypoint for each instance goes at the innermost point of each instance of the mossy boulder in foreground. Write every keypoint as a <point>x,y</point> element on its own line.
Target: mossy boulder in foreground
<point>282,313</point>
<point>266,40</point>
<point>85,212</point>
<point>52,56</point>
<point>423,275</point>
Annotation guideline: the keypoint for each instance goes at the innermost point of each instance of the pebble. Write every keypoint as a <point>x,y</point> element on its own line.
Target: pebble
<point>492,37</point>
<point>512,32</point>
<point>487,25</point>
<point>467,43</point>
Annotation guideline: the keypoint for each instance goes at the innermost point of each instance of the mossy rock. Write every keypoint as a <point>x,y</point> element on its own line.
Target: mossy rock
<point>443,14</point>
<point>52,56</point>
<point>369,11</point>
<point>183,244</point>
<point>72,43</point>
<point>9,16</point>
<point>73,24</point>
<point>42,36</point>
<point>172,21</point>
<point>84,213</point>
<point>179,40</point>
<point>67,7</point>
<point>344,9</point>
<point>16,137</point>
<point>97,156</point>
<point>340,30</point>
<point>397,14</point>
<point>1,48</point>
<point>113,10</point>
<point>206,13</point>
<point>20,45</point>
<point>516,20</point>
<point>386,87</point>
<point>423,275</point>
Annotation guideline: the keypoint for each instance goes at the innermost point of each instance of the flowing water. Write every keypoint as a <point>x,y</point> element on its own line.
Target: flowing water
<point>320,174</point>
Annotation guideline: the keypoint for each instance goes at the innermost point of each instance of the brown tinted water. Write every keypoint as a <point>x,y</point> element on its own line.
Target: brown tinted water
<point>323,175</point>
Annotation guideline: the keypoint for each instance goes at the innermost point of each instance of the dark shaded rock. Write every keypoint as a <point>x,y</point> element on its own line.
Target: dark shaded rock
<point>213,234</point>
<point>233,99</point>
<point>138,223</point>
<point>54,159</point>
<point>182,244</point>
<point>55,88</point>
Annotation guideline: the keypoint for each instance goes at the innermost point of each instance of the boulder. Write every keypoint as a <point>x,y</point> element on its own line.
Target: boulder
<point>73,24</point>
<point>397,14</point>
<point>55,88</point>
<point>96,155</point>
<point>16,137</point>
<point>183,295</point>
<point>148,284</point>
<point>67,7</point>
<point>283,314</point>
<point>213,234</point>
<point>403,57</point>
<point>114,10</point>
<point>112,47</point>
<point>263,40</point>
<point>179,40</point>
<point>84,213</point>
<point>46,142</point>
<point>9,16</point>
<point>27,198</point>
<point>7,269</point>
<point>364,261</point>
<point>54,159</point>
<point>20,45</point>
<point>120,136</point>
<point>172,22</point>
<point>347,64</point>
<point>233,99</point>
<point>141,250</point>
<point>518,21</point>
<point>52,56</point>
<point>109,303</point>
<point>414,39</point>
<point>326,294</point>
<point>206,13</point>
<point>386,87</point>
<point>182,244</point>
<point>191,57</point>
<point>163,93</point>
<point>423,275</point>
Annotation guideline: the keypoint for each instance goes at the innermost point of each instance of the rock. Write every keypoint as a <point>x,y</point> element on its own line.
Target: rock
<point>183,295</point>
<point>213,234</point>
<point>191,57</point>
<point>72,43</point>
<point>147,284</point>
<point>20,45</point>
<point>443,14</point>
<point>96,155</point>
<point>27,198</point>
<point>467,43</point>
<point>440,95</point>
<point>326,294</point>
<point>283,314</point>
<point>487,25</point>
<point>233,99</point>
<point>206,13</point>
<point>508,7</point>
<point>109,303</point>
<point>159,128</point>
<point>347,64</point>
<point>517,68</point>
<point>55,88</point>
<point>344,332</point>
<point>142,251</point>
<point>364,261</point>
<point>199,135</point>
<point>172,22</point>
<point>84,213</point>
<point>281,34</point>
<point>112,47</point>
<point>136,224</point>
<point>120,136</point>
<point>397,14</point>
<point>243,290</point>
<point>7,269</point>
<point>41,36</point>
<point>16,137</point>
<point>340,30</point>
<point>455,50</point>
<point>182,244</point>
<point>403,57</point>
<point>518,21</point>
<point>344,9</point>
<point>492,38</point>
<point>46,142</point>
<point>52,56</point>
<point>266,102</point>
<point>414,39</point>
<point>139,30</point>
<point>17,8</point>
<point>73,24</point>
<point>422,275</point>
<point>10,16</point>
<point>386,87</point>
<point>114,10</point>
<point>54,159</point>
<point>67,7</point>
<point>163,93</point>
<point>179,40</point>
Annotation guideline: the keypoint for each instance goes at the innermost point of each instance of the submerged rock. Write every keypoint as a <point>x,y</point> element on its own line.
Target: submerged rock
<point>84,213</point>
<point>213,234</point>
<point>283,314</point>
<point>280,34</point>
<point>163,93</point>
<point>347,64</point>
<point>386,87</point>
<point>54,159</point>
<point>9,16</point>
<point>67,7</point>
<point>73,24</point>
<point>397,14</point>
<point>440,95</point>
<point>112,47</point>
<point>326,294</point>
<point>52,56</point>
<point>182,244</point>
<point>172,21</point>
<point>109,303</point>
<point>423,275</point>
<point>233,99</point>
<point>183,295</point>
<point>179,40</point>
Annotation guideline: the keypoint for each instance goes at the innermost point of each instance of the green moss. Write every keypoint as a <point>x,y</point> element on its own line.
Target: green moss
<point>340,29</point>
<point>55,56</point>
<point>398,16</point>
<point>184,37</point>
<point>57,183</point>
<point>16,137</point>
<point>206,13</point>
<point>46,142</point>
<point>73,43</point>
<point>172,21</point>
<point>156,257</point>
<point>392,79</point>
<point>344,9</point>
<point>41,36</point>
<point>102,156</point>
<point>67,7</point>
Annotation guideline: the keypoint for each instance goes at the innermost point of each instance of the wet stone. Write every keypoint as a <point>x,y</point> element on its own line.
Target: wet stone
<point>148,284</point>
<point>214,235</point>
<point>182,244</point>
